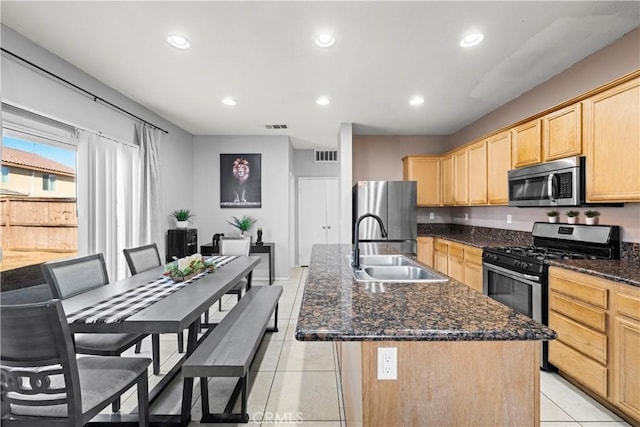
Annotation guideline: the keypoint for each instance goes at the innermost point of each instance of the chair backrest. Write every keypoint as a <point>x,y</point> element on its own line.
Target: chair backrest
<point>142,258</point>
<point>235,246</point>
<point>74,276</point>
<point>31,294</point>
<point>38,363</point>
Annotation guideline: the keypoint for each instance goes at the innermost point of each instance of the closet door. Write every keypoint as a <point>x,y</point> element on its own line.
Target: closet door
<point>317,214</point>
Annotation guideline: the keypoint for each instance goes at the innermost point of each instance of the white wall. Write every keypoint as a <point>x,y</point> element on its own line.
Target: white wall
<point>273,216</point>
<point>28,88</point>
<point>345,147</point>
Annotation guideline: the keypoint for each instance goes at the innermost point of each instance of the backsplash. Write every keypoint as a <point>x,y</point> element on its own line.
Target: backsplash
<point>630,251</point>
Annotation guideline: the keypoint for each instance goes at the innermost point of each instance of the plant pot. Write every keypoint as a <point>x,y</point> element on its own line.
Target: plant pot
<point>591,221</point>
<point>572,219</point>
<point>552,219</point>
<point>182,224</point>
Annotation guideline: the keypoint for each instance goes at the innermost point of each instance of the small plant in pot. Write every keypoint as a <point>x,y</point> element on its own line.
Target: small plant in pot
<point>243,224</point>
<point>591,217</point>
<point>572,216</point>
<point>182,217</point>
<point>552,216</point>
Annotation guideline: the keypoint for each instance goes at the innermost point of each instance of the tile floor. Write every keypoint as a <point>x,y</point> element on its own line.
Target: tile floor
<point>293,382</point>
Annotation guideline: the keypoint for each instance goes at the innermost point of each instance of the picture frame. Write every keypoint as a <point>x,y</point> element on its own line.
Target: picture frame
<point>240,180</point>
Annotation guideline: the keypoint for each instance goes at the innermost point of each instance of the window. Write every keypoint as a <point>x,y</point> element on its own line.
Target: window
<point>48,182</point>
<point>5,174</point>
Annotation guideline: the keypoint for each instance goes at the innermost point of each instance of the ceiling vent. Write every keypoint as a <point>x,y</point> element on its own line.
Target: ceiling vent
<point>326,156</point>
<point>277,126</point>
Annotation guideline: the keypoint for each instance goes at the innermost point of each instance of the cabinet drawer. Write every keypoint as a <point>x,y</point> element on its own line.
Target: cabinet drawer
<point>629,305</point>
<point>587,341</point>
<point>456,251</point>
<point>582,313</point>
<point>578,286</point>
<point>441,246</point>
<point>473,255</point>
<point>584,370</point>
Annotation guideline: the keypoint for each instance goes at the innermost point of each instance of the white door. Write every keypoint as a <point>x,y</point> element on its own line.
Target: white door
<point>317,214</point>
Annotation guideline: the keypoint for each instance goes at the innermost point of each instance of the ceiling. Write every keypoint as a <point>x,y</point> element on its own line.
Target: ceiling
<point>262,54</point>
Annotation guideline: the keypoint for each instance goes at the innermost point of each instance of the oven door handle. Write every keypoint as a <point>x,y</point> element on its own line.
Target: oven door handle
<point>534,280</point>
<point>550,188</point>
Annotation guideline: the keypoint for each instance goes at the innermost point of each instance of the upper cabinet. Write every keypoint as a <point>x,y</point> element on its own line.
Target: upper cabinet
<point>447,180</point>
<point>461,177</point>
<point>562,133</point>
<point>478,173</point>
<point>612,140</point>
<point>526,144</point>
<point>499,163</point>
<point>425,170</point>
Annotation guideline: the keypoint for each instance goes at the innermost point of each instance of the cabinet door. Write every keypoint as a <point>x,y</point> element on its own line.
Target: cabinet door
<point>447,180</point>
<point>499,163</point>
<point>627,366</point>
<point>526,144</point>
<point>473,275</point>
<point>425,170</point>
<point>456,268</point>
<point>612,141</point>
<point>478,173</point>
<point>425,250</point>
<point>460,181</point>
<point>562,133</point>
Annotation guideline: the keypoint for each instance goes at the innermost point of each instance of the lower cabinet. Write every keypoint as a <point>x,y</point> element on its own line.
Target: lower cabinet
<point>473,267</point>
<point>460,262</point>
<point>425,250</point>
<point>441,256</point>
<point>598,345</point>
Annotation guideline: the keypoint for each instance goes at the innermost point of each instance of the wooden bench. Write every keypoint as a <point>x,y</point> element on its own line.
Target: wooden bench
<point>230,348</point>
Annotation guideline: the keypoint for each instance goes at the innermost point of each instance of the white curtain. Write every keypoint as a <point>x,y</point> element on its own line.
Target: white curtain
<point>150,224</point>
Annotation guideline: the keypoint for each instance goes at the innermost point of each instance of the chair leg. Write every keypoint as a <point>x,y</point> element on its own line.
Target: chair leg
<point>143,401</point>
<point>138,346</point>
<point>115,406</point>
<point>180,342</point>
<point>239,295</point>
<point>155,353</point>
<point>220,304</point>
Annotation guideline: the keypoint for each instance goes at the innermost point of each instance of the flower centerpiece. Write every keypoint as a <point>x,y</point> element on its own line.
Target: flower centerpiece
<point>243,224</point>
<point>185,268</point>
<point>572,216</point>
<point>591,217</point>
<point>182,217</point>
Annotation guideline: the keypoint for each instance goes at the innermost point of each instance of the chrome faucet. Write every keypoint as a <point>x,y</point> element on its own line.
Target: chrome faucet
<point>355,261</point>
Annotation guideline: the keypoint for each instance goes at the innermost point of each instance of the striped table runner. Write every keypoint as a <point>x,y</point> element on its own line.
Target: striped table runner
<point>117,308</point>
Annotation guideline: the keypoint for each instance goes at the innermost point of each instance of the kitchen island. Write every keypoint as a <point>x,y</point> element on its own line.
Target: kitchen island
<point>462,358</point>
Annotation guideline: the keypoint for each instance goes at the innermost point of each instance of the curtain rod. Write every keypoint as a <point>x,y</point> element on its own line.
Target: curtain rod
<point>95,97</point>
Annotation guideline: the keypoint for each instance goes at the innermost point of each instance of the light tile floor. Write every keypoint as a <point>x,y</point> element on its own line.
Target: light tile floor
<point>293,382</point>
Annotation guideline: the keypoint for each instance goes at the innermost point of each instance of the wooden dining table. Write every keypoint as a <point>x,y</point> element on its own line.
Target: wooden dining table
<point>173,313</point>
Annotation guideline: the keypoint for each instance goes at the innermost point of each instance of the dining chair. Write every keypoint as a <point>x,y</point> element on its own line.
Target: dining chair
<point>240,246</point>
<point>143,258</point>
<point>69,277</point>
<point>43,383</point>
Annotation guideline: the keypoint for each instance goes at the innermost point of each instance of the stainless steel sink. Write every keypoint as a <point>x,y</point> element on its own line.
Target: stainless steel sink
<point>394,269</point>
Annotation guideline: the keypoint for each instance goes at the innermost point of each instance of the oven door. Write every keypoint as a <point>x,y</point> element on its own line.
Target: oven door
<point>521,292</point>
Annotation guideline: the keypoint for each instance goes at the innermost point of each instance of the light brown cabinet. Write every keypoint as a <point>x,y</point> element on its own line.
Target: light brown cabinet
<point>460,262</point>
<point>598,345</point>
<point>612,140</point>
<point>477,175</point>
<point>441,256</point>
<point>447,180</point>
<point>425,170</point>
<point>499,163</point>
<point>562,133</point>
<point>473,267</point>
<point>425,250</point>
<point>526,144</point>
<point>461,180</point>
<point>456,261</point>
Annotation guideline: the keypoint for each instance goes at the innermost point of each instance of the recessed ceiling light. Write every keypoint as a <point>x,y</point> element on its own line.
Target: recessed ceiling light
<point>178,41</point>
<point>325,40</point>
<point>416,100</point>
<point>472,40</point>
<point>323,100</point>
<point>228,100</point>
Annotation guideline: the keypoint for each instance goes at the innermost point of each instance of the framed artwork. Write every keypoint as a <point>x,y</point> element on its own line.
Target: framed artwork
<point>240,181</point>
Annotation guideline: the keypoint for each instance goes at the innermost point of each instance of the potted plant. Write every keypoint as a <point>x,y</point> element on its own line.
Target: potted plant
<point>572,216</point>
<point>182,217</point>
<point>591,217</point>
<point>243,224</point>
<point>552,216</point>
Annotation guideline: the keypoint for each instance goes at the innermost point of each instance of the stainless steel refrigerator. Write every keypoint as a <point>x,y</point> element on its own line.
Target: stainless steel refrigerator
<point>395,203</point>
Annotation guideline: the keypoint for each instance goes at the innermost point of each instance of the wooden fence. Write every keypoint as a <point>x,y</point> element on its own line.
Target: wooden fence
<point>39,224</point>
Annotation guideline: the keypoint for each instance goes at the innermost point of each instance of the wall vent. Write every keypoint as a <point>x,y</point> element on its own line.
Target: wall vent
<point>277,126</point>
<point>326,156</point>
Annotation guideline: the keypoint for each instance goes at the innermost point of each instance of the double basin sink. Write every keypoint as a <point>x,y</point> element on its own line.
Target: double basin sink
<point>394,269</point>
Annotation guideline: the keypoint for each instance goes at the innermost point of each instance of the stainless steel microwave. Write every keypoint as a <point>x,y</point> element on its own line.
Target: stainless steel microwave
<point>556,183</point>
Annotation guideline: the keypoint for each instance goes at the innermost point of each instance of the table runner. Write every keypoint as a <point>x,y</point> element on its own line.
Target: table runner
<point>117,308</point>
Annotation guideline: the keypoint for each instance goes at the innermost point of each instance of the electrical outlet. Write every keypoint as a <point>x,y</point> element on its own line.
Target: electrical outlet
<point>432,215</point>
<point>387,363</point>
<point>466,216</point>
<point>508,219</point>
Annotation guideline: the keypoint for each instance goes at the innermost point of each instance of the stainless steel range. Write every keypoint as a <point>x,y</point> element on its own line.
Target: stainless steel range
<point>517,276</point>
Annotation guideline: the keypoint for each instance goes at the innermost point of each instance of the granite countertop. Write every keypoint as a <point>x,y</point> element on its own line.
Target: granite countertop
<point>627,272</point>
<point>470,240</point>
<point>337,308</point>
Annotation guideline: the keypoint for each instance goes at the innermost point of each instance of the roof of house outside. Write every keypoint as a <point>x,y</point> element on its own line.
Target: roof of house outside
<point>11,156</point>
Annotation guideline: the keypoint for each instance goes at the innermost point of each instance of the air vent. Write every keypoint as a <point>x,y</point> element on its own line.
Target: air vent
<point>326,156</point>
<point>277,126</point>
